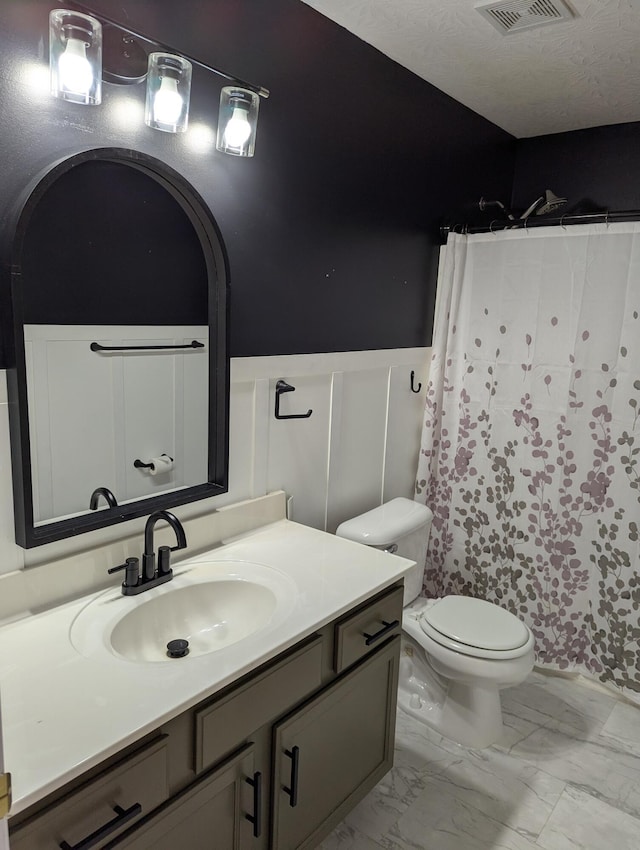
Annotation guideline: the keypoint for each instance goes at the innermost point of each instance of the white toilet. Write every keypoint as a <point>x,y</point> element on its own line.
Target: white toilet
<point>457,652</point>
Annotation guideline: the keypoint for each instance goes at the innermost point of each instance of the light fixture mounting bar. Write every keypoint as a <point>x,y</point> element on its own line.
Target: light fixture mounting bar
<point>259,90</point>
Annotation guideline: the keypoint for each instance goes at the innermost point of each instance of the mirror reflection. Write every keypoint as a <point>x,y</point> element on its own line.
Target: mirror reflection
<point>115,297</point>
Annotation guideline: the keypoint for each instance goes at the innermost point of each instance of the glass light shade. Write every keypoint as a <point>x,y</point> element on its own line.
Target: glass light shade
<point>75,56</point>
<point>168,93</point>
<point>237,121</point>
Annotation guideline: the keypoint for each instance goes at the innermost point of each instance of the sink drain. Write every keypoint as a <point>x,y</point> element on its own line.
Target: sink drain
<point>178,648</point>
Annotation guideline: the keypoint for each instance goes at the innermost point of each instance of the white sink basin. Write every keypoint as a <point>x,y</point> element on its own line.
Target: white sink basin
<point>211,604</point>
<point>209,615</point>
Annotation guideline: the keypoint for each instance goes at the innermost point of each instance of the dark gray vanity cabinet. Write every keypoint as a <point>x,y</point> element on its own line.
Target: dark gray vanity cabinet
<point>273,762</point>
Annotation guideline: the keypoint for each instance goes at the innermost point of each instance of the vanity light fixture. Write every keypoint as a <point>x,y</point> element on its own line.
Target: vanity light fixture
<point>75,59</point>
<point>237,121</point>
<point>75,56</point>
<point>168,92</point>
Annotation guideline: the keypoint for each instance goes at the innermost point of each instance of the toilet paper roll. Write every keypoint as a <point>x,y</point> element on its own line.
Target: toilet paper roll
<point>160,465</point>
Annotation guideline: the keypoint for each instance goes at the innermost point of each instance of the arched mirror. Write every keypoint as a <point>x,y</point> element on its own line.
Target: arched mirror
<point>118,363</point>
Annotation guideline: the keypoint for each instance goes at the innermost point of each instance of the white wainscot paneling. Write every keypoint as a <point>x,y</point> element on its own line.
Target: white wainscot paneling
<point>404,428</point>
<point>357,450</point>
<point>360,445</point>
<point>165,412</point>
<point>298,448</point>
<point>71,425</point>
<point>242,443</point>
<point>91,415</point>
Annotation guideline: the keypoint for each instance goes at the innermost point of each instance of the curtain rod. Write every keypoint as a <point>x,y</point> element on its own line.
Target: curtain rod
<point>547,221</point>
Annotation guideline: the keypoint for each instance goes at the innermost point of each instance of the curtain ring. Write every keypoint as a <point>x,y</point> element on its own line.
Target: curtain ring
<point>491,230</point>
<point>526,224</point>
<point>562,224</point>
<point>606,219</point>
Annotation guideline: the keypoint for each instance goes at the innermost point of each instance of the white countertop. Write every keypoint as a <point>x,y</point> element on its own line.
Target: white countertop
<point>63,713</point>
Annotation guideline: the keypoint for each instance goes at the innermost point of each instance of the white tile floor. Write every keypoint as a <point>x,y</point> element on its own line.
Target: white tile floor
<point>566,776</point>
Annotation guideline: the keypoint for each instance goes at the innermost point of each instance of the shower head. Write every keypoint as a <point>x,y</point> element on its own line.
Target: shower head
<point>545,204</point>
<point>551,202</point>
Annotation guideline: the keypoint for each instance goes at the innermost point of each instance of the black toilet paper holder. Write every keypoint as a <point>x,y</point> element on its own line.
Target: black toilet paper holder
<point>140,464</point>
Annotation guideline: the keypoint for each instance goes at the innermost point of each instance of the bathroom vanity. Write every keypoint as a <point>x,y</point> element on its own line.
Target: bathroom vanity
<point>266,742</point>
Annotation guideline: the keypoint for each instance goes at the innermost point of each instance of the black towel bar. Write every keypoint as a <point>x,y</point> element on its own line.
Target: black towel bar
<point>96,346</point>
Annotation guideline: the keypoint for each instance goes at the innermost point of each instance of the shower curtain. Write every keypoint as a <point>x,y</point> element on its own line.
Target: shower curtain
<point>530,457</point>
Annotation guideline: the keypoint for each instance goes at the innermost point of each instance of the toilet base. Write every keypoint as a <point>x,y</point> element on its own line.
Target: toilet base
<point>469,714</point>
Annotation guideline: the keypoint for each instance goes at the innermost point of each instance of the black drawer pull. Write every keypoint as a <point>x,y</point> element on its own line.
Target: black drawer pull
<point>292,791</point>
<point>256,817</point>
<point>122,817</point>
<point>386,628</point>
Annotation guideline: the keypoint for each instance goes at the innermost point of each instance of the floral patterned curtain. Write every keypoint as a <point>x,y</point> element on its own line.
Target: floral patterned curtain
<point>530,457</point>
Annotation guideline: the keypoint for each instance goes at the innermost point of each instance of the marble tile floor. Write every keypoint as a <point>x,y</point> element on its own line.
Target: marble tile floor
<point>565,776</point>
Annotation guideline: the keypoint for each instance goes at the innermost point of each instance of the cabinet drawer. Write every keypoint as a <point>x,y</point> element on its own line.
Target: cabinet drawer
<point>135,785</point>
<point>363,630</point>
<point>216,813</point>
<point>222,726</point>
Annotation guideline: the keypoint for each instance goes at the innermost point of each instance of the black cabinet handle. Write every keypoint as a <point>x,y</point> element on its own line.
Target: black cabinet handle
<point>122,817</point>
<point>386,628</point>
<point>292,791</point>
<point>256,817</point>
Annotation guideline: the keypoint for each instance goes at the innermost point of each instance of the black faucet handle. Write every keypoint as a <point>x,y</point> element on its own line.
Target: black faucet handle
<point>164,559</point>
<point>132,575</point>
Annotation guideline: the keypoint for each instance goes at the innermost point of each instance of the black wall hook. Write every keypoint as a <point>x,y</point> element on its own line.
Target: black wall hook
<point>413,389</point>
<point>284,387</point>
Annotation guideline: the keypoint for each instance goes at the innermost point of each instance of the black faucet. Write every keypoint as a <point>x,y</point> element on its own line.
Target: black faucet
<point>149,556</point>
<point>109,498</point>
<point>137,581</point>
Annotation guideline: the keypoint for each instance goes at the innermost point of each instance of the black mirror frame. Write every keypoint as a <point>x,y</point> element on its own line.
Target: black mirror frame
<point>29,535</point>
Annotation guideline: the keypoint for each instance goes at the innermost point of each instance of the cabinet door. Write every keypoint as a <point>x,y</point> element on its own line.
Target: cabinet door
<point>333,750</point>
<point>217,813</point>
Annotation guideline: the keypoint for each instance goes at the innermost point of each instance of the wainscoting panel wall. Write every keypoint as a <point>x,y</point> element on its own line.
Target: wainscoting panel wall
<point>359,446</point>
<point>299,448</point>
<point>93,414</point>
<point>404,427</point>
<point>244,443</point>
<point>357,450</point>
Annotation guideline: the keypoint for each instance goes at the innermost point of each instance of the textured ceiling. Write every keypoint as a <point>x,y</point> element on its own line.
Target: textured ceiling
<point>565,76</point>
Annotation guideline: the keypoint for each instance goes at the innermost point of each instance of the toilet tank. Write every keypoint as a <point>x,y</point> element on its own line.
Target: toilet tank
<point>402,523</point>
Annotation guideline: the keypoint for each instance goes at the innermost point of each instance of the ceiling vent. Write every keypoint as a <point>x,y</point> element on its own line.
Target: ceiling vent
<point>509,16</point>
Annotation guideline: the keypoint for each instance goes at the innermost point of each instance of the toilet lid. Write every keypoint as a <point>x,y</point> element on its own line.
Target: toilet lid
<point>474,623</point>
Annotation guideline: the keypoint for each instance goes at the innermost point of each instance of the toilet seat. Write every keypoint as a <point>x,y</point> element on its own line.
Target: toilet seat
<point>476,628</point>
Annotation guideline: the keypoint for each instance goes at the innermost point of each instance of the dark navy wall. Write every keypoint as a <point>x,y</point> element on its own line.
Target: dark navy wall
<point>597,168</point>
<point>332,228</point>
